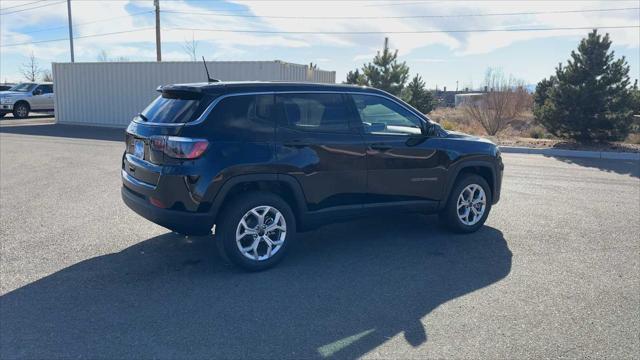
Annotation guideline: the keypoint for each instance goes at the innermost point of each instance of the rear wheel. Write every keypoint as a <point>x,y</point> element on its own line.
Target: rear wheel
<point>21,110</point>
<point>256,230</point>
<point>468,205</point>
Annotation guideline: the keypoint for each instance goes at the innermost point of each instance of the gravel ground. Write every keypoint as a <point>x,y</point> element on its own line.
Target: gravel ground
<point>554,273</point>
<point>566,144</point>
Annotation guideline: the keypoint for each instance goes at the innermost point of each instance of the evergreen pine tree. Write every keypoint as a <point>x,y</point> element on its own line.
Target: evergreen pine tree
<point>590,97</point>
<point>416,94</point>
<point>385,72</point>
<point>355,77</point>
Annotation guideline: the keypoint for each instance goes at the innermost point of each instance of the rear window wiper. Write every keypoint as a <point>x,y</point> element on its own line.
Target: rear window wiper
<point>143,117</point>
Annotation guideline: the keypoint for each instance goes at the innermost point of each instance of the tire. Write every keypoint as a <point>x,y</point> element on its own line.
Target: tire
<point>247,207</point>
<point>454,219</point>
<point>21,110</point>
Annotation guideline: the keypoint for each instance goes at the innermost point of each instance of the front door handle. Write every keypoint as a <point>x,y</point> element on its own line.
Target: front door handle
<point>380,146</point>
<point>297,143</point>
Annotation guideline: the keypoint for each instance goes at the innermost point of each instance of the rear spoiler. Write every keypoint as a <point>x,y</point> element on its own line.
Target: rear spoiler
<point>185,88</point>
<point>180,92</point>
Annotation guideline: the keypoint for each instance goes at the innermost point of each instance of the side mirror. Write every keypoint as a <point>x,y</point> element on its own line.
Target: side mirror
<point>427,129</point>
<point>376,127</point>
<point>432,129</point>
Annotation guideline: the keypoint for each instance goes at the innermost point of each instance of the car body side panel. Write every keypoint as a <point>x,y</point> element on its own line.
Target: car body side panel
<point>411,169</point>
<point>330,167</point>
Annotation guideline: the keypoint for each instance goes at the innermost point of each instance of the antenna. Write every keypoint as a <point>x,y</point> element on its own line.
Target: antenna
<point>209,79</point>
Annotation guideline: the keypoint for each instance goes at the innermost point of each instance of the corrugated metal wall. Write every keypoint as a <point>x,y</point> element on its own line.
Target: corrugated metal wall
<point>111,93</point>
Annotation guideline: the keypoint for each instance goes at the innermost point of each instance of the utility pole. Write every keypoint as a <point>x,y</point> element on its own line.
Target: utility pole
<point>70,30</point>
<point>156,3</point>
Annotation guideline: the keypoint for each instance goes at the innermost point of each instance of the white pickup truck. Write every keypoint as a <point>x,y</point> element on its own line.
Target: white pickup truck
<point>26,97</point>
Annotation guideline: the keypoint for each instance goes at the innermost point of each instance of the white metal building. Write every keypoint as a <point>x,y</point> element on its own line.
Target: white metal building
<point>112,93</point>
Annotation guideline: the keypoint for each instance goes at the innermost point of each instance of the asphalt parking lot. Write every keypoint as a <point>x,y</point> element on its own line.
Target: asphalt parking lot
<point>554,273</point>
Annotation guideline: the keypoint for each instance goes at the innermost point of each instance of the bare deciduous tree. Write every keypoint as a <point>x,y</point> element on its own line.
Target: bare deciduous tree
<point>30,70</point>
<point>191,48</point>
<point>102,56</point>
<point>505,98</point>
<point>47,76</point>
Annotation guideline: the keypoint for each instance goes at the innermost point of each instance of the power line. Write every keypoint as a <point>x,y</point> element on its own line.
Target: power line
<point>87,23</point>
<point>78,37</point>
<point>33,8</point>
<point>21,5</point>
<point>329,32</point>
<point>214,13</point>
<point>399,32</point>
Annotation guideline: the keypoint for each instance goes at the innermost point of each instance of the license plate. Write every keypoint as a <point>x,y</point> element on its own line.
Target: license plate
<point>138,149</point>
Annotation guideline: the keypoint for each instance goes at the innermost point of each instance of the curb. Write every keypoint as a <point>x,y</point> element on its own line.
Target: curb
<point>572,153</point>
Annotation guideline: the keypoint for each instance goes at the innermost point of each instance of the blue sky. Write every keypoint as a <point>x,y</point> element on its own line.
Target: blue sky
<point>442,58</point>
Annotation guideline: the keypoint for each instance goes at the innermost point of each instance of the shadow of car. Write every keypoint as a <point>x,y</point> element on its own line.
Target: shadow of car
<point>348,289</point>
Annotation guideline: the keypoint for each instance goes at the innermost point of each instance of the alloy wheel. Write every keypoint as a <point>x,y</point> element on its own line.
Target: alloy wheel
<point>471,205</point>
<point>22,111</point>
<point>261,233</point>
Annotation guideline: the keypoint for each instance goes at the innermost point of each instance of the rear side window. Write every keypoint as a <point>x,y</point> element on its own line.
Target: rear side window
<point>243,118</point>
<point>316,112</point>
<point>174,108</point>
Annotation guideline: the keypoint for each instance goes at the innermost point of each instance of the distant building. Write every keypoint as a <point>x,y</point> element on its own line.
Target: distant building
<point>448,98</point>
<point>112,93</point>
<point>467,98</point>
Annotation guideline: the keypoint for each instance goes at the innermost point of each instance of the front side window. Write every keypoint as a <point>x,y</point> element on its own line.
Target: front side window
<point>46,89</point>
<point>316,112</point>
<point>43,89</point>
<point>383,116</point>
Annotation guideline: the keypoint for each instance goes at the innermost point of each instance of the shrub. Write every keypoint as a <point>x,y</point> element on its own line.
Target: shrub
<point>505,100</point>
<point>537,132</point>
<point>448,125</point>
<point>633,138</point>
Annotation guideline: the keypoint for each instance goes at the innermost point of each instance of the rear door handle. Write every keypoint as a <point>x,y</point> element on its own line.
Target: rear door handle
<point>380,146</point>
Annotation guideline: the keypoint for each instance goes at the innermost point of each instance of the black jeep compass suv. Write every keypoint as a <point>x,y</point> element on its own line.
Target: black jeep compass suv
<point>263,160</point>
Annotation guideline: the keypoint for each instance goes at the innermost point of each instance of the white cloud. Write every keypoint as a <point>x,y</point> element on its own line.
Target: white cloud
<point>427,60</point>
<point>139,45</point>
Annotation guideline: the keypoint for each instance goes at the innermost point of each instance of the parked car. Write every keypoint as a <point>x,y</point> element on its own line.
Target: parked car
<point>263,161</point>
<point>25,97</point>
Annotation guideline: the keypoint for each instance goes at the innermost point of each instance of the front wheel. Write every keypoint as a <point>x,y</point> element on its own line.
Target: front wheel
<point>21,110</point>
<point>468,205</point>
<point>256,230</point>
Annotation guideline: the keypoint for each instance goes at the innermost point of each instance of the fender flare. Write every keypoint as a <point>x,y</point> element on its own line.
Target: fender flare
<point>289,181</point>
<point>22,101</point>
<point>455,171</point>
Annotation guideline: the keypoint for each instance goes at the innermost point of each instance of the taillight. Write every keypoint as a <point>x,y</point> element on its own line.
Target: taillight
<point>179,147</point>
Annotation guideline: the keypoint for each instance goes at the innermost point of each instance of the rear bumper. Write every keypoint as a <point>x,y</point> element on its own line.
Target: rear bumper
<point>184,222</point>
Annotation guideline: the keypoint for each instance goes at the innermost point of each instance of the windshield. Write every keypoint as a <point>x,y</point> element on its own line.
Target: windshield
<point>24,87</point>
<point>171,110</point>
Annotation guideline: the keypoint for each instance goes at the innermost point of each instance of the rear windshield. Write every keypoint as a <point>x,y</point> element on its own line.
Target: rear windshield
<point>174,108</point>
